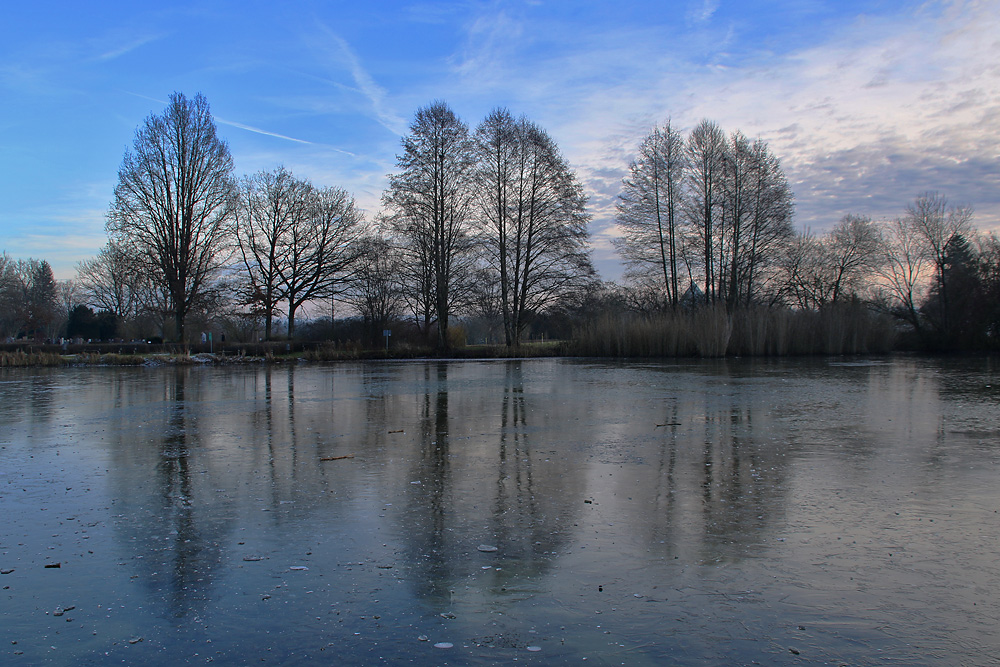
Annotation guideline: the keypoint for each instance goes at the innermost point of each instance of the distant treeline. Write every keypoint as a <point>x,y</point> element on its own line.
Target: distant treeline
<point>482,238</point>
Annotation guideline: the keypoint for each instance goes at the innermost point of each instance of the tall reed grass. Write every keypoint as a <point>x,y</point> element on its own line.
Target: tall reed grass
<point>17,358</point>
<point>711,331</point>
<point>110,359</point>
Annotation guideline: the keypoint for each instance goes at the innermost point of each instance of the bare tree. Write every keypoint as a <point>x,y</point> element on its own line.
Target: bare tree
<point>486,310</point>
<point>416,274</point>
<point>770,220</point>
<point>718,206</point>
<point>115,281</point>
<point>936,224</point>
<point>8,297</point>
<point>375,290</point>
<point>802,271</point>
<point>756,207</point>
<point>533,222</point>
<point>498,205</point>
<point>16,297</point>
<point>738,166</point>
<point>706,148</point>
<point>271,204</point>
<point>649,210</point>
<point>174,201</point>
<point>842,264</point>
<point>319,251</point>
<point>903,268</point>
<point>852,255</point>
<point>70,296</point>
<point>428,203</point>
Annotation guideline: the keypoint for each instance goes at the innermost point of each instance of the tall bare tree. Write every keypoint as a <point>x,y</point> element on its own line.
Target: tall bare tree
<point>271,204</point>
<point>902,269</point>
<point>649,210</point>
<point>320,250</point>
<point>8,297</point>
<point>533,221</point>
<point>738,166</point>
<point>770,220</point>
<point>935,224</point>
<point>756,207</point>
<point>428,203</point>
<point>498,199</point>
<point>416,273</point>
<point>706,148</point>
<point>174,201</point>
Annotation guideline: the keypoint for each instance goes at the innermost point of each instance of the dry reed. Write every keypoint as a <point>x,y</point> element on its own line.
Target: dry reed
<point>754,331</point>
<point>20,358</point>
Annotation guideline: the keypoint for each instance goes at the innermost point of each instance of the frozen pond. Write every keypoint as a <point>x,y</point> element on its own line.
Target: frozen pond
<point>547,512</point>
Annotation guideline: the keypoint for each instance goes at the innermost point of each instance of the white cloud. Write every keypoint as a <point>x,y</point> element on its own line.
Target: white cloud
<point>366,85</point>
<point>122,49</point>
<point>880,110</point>
<point>146,97</point>
<point>864,114</point>
<point>257,130</point>
<point>701,12</point>
<point>60,239</point>
<point>492,40</point>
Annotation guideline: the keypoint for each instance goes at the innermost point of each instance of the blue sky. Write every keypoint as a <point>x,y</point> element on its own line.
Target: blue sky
<point>866,103</point>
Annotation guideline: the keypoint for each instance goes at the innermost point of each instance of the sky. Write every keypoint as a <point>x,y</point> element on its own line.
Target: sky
<point>866,104</point>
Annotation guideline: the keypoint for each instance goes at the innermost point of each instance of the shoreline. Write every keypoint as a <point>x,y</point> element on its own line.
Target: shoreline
<point>159,360</point>
<point>36,356</point>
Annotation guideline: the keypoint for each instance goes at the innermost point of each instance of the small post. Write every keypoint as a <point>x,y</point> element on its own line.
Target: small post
<point>386,333</point>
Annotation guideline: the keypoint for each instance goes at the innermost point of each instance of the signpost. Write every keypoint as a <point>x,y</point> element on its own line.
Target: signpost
<point>386,333</point>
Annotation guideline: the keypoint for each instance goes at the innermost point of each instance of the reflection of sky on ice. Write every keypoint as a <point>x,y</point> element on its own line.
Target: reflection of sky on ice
<point>694,511</point>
